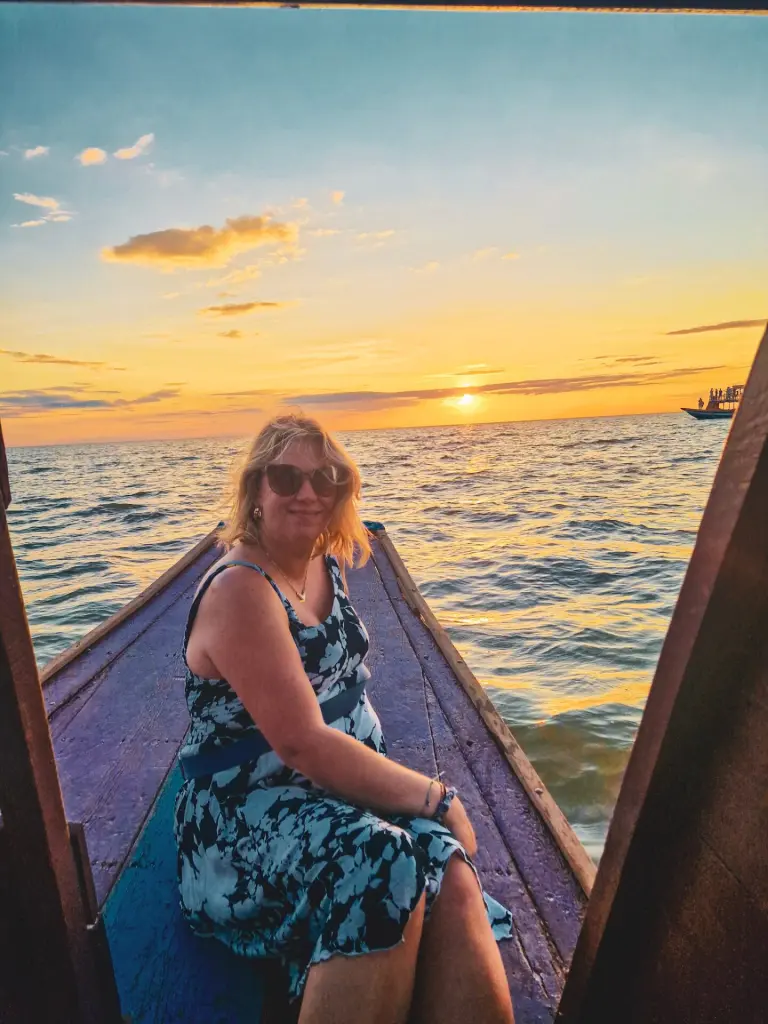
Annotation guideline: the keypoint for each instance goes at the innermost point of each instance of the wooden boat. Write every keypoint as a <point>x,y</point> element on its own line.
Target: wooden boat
<point>721,405</point>
<point>676,926</point>
<point>117,717</point>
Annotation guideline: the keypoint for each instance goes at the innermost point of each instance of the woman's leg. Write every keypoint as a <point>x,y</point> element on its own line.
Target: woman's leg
<point>460,975</point>
<point>375,987</point>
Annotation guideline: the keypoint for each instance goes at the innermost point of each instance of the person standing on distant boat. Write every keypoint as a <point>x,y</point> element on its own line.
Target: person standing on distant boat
<point>319,848</point>
<point>701,403</point>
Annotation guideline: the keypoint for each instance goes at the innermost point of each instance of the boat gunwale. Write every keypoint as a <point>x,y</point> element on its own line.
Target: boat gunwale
<point>566,840</point>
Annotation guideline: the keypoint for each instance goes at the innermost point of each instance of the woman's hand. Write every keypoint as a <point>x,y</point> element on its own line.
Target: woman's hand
<point>457,822</point>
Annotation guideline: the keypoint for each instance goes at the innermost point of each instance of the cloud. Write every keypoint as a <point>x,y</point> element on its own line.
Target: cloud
<point>140,146</point>
<point>337,198</point>
<point>239,276</point>
<point>30,224</point>
<point>511,256</point>
<point>645,360</point>
<point>324,232</point>
<point>4,152</point>
<point>172,295</point>
<point>472,370</point>
<point>428,268</point>
<point>240,308</point>
<point>43,357</point>
<point>206,246</point>
<point>91,156</point>
<point>30,154</point>
<point>543,386</point>
<point>729,325</point>
<point>375,236</point>
<point>46,202</point>
<point>231,334</point>
<point>29,402</point>
<point>53,206</point>
<point>301,204</point>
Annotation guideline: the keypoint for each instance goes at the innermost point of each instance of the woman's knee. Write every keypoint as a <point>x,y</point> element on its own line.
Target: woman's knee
<point>460,891</point>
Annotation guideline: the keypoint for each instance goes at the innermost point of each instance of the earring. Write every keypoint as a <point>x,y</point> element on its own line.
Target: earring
<point>257,513</point>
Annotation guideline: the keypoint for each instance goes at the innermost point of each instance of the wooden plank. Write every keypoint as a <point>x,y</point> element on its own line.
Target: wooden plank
<point>566,839</point>
<point>75,678</point>
<point>638,6</point>
<point>679,903</point>
<point>55,965</point>
<point>115,751</point>
<point>166,974</point>
<point>549,879</point>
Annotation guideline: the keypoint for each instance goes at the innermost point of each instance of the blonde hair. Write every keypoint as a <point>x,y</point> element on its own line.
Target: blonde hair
<point>345,537</point>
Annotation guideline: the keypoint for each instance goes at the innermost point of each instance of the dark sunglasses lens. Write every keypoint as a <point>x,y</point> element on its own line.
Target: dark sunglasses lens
<point>284,480</point>
<point>330,480</point>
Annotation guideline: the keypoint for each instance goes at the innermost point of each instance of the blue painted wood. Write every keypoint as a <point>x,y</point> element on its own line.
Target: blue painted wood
<point>164,973</point>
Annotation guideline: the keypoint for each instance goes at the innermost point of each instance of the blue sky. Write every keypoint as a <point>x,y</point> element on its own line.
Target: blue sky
<point>619,162</point>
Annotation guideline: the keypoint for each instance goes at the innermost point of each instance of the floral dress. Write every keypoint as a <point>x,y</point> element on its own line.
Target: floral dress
<point>275,867</point>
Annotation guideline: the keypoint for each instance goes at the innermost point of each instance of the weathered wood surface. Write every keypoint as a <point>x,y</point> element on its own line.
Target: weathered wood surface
<point>677,927</point>
<point>714,6</point>
<point>118,719</point>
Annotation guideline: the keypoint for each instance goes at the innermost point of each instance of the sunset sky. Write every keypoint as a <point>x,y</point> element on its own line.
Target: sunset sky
<point>383,218</point>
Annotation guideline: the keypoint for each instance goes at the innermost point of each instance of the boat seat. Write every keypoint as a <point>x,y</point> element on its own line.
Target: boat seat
<point>165,974</point>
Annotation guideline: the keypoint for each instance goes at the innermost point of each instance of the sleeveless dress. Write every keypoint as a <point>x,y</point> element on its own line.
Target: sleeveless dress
<point>273,866</point>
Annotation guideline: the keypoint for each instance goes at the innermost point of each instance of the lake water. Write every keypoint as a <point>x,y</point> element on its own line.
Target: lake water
<point>552,552</point>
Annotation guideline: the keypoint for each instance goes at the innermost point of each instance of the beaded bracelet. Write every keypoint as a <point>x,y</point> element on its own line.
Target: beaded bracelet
<point>445,802</point>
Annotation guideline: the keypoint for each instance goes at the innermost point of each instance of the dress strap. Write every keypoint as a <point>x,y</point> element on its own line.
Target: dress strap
<point>207,582</point>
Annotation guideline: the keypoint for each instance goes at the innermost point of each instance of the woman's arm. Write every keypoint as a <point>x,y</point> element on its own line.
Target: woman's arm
<point>245,634</point>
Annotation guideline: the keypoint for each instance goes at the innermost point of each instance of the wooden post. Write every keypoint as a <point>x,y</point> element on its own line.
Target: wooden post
<point>56,972</point>
<point>677,926</point>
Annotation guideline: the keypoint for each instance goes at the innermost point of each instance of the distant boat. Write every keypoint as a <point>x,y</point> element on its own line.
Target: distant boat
<point>721,405</point>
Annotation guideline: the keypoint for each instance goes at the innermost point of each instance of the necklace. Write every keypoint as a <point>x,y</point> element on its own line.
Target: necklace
<point>301,594</point>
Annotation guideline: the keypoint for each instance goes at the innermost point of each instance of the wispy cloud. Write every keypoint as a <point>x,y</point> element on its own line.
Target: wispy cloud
<point>728,325</point>
<point>44,357</point>
<point>541,386</point>
<point>31,154</point>
<point>427,268</point>
<point>140,146</point>
<point>241,308</point>
<point>92,156</point>
<point>54,212</point>
<point>239,276</point>
<point>45,202</point>
<point>324,232</point>
<point>29,402</point>
<point>301,204</point>
<point>472,370</point>
<point>337,197</point>
<point>511,256</point>
<point>231,334</point>
<point>206,246</point>
<point>484,254</point>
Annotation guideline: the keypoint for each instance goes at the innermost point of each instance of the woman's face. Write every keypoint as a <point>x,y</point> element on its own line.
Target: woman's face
<point>301,517</point>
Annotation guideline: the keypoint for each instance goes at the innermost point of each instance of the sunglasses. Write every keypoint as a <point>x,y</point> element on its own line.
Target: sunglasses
<point>286,480</point>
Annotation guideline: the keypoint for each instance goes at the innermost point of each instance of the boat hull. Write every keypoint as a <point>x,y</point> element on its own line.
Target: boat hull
<point>713,414</point>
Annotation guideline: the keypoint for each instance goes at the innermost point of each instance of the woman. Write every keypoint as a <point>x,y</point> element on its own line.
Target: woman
<point>298,838</point>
